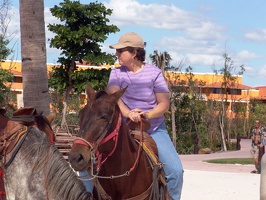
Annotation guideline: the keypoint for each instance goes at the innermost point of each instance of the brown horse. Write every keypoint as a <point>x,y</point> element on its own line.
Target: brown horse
<point>118,165</point>
<point>32,166</point>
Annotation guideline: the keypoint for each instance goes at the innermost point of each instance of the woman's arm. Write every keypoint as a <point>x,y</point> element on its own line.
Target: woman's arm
<point>161,107</point>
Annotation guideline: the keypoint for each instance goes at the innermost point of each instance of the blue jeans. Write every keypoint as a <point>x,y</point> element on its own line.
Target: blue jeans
<point>171,162</point>
<point>87,183</point>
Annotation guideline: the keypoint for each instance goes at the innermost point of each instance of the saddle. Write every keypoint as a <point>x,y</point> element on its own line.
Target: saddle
<point>138,132</point>
<point>11,131</point>
<point>136,129</point>
<point>9,127</point>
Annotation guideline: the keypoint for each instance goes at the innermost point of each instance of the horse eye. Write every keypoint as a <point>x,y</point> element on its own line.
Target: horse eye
<point>105,117</point>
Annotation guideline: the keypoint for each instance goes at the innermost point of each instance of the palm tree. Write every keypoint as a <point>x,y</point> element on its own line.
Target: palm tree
<point>33,55</point>
<point>163,61</point>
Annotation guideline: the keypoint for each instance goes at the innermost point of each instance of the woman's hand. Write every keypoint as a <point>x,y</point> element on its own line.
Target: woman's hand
<point>135,115</point>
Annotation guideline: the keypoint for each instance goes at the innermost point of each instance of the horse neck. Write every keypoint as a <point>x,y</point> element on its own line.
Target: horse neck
<point>125,144</point>
<point>45,164</point>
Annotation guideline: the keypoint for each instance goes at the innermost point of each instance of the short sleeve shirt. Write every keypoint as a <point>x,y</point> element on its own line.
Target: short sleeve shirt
<point>262,134</point>
<point>141,89</point>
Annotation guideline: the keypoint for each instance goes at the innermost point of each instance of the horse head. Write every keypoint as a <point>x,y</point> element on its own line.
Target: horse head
<point>96,121</point>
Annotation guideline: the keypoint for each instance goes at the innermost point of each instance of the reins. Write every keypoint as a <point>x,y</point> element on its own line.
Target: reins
<point>94,145</point>
<point>114,136</point>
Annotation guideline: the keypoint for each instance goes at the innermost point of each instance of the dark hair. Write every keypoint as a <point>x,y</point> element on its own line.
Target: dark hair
<point>140,53</point>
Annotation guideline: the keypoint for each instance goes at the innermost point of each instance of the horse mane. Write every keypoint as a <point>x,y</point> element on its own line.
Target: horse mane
<point>60,180</point>
<point>100,94</point>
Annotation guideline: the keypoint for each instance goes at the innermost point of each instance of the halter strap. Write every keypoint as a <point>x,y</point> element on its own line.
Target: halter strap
<point>80,140</point>
<point>114,136</point>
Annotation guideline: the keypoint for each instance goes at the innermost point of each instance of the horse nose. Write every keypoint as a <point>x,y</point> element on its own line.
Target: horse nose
<point>76,159</point>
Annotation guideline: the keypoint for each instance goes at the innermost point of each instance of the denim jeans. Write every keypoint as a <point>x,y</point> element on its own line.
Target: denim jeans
<point>171,162</point>
<point>87,183</point>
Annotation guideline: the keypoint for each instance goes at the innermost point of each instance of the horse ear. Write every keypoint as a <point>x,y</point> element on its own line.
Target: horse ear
<point>90,95</point>
<point>115,96</point>
<point>51,117</point>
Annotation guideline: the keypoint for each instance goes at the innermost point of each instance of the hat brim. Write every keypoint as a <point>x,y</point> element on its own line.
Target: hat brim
<point>117,46</point>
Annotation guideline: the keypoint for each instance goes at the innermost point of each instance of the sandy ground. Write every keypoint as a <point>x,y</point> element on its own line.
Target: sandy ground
<point>205,181</point>
<point>209,185</point>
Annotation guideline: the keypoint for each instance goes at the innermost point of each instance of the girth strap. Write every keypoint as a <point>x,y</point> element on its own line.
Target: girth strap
<point>144,195</point>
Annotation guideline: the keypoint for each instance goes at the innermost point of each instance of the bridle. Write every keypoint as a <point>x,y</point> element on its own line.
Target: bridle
<point>95,154</point>
<point>101,140</point>
<point>96,157</point>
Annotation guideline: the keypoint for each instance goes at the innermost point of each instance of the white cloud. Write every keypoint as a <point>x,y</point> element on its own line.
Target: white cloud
<point>246,55</point>
<point>257,35</point>
<point>256,72</point>
<point>49,19</point>
<point>204,59</point>
<point>163,17</point>
<point>182,44</point>
<point>14,25</point>
<point>185,35</point>
<point>207,31</point>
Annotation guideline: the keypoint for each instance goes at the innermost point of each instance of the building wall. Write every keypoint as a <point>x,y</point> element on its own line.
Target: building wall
<point>208,78</point>
<point>201,80</point>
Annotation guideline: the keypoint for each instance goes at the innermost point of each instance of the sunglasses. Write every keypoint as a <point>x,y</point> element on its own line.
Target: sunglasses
<point>121,50</point>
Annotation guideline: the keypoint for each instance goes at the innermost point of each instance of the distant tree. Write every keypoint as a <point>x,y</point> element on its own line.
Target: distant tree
<point>4,50</point>
<point>257,110</point>
<point>4,22</point>
<point>229,81</point>
<point>78,36</point>
<point>6,77</point>
<point>33,55</point>
<point>162,61</point>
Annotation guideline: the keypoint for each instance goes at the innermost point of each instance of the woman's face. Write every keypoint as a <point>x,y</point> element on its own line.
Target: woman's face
<point>124,56</point>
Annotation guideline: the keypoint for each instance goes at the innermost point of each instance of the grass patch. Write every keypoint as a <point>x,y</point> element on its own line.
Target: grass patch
<point>241,161</point>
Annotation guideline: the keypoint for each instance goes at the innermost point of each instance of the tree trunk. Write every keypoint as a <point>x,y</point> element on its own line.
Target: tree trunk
<point>33,55</point>
<point>173,109</point>
<point>64,121</point>
<point>221,121</point>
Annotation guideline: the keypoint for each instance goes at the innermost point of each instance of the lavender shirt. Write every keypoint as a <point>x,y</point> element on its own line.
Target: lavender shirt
<point>141,90</point>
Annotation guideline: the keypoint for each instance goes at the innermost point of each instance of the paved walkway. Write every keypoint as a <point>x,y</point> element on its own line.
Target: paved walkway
<point>206,181</point>
<point>196,161</point>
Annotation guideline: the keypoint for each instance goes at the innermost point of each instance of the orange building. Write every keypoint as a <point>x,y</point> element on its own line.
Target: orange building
<point>208,85</point>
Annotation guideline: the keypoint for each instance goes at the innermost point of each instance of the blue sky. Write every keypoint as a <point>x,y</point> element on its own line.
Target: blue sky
<point>194,32</point>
